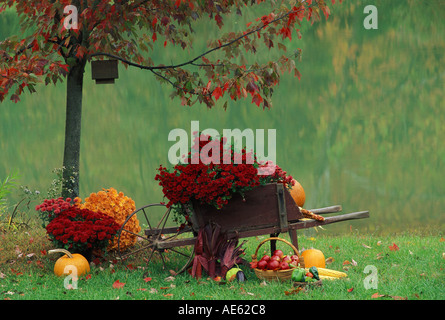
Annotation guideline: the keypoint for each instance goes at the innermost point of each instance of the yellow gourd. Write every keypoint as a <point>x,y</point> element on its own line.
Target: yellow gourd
<point>71,262</point>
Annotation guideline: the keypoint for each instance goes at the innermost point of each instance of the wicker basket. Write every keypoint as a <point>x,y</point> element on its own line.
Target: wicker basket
<point>275,275</point>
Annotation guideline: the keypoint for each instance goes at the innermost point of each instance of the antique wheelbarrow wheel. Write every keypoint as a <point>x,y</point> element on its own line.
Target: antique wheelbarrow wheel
<point>160,241</point>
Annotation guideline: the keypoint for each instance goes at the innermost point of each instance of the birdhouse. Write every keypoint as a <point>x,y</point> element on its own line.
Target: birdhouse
<point>104,71</point>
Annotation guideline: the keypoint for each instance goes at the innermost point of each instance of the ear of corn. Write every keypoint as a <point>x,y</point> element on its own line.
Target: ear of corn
<point>327,278</point>
<point>329,273</point>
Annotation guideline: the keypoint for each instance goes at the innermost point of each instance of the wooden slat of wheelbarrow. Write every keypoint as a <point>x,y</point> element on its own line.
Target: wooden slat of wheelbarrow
<point>341,217</point>
<point>330,209</point>
<point>270,230</point>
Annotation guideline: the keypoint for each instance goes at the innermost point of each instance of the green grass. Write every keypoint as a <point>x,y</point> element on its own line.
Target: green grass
<point>415,272</point>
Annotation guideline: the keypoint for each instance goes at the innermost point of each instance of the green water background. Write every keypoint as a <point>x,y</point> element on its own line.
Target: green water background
<point>364,127</point>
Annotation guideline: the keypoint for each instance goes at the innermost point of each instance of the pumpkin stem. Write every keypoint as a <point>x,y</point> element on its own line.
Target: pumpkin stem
<point>63,251</point>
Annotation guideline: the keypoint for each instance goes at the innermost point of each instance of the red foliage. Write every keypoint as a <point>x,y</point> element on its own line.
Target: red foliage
<point>127,31</point>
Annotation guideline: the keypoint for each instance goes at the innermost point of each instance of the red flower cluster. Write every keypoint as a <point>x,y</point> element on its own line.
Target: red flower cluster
<point>214,182</point>
<point>53,207</point>
<point>80,229</point>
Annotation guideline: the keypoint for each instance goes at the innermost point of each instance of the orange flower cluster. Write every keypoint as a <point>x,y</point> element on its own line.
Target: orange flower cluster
<point>118,206</point>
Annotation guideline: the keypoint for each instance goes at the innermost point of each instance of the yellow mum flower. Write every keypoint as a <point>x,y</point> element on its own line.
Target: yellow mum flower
<point>118,206</point>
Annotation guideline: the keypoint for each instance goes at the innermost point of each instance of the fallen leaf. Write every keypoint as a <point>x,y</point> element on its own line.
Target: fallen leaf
<point>442,239</point>
<point>377,295</point>
<point>147,279</point>
<point>263,284</point>
<point>168,295</point>
<point>117,284</point>
<point>329,260</point>
<point>171,278</point>
<point>346,262</point>
<point>394,247</point>
<point>172,272</point>
<point>353,262</point>
<point>350,289</point>
<point>293,291</point>
<point>366,246</point>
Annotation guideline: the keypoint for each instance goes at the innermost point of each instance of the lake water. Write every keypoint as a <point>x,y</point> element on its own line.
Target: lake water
<point>364,127</point>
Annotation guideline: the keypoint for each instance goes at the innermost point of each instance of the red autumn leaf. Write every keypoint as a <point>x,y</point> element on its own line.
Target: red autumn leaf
<point>218,20</point>
<point>117,284</point>
<point>257,99</point>
<point>217,93</point>
<point>88,276</point>
<point>350,289</point>
<point>147,279</point>
<point>377,295</point>
<point>394,247</point>
<point>346,262</point>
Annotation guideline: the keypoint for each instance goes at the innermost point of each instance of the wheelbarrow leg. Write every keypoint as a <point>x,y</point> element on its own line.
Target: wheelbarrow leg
<point>273,243</point>
<point>293,237</point>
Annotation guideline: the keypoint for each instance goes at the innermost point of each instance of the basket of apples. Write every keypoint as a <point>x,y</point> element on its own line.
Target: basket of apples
<point>278,266</point>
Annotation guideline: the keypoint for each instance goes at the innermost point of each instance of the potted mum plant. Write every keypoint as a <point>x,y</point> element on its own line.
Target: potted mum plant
<point>212,184</point>
<point>77,230</point>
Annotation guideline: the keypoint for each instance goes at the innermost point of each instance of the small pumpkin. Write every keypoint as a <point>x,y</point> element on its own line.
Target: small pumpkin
<point>70,259</point>
<point>297,193</point>
<point>313,258</point>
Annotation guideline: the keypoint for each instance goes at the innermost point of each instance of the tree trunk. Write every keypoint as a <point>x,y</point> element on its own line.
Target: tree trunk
<point>70,178</point>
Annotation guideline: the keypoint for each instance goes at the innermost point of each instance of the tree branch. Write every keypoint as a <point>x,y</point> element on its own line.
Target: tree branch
<point>130,63</point>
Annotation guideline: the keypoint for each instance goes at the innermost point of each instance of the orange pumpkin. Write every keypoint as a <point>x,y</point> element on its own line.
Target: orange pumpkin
<point>298,194</point>
<point>313,257</point>
<point>75,260</point>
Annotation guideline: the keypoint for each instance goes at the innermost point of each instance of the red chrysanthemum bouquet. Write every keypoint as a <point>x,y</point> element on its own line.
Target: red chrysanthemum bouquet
<point>213,182</point>
<point>76,229</point>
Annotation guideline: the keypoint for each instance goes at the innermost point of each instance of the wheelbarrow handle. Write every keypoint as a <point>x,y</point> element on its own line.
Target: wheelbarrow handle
<point>330,209</point>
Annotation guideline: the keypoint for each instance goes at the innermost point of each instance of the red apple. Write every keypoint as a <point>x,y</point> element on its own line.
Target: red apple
<point>276,258</point>
<point>278,253</point>
<point>286,259</point>
<point>265,258</point>
<point>273,265</point>
<point>284,266</point>
<point>262,264</point>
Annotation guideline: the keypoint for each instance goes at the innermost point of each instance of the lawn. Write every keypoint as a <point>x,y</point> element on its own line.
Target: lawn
<point>406,266</point>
